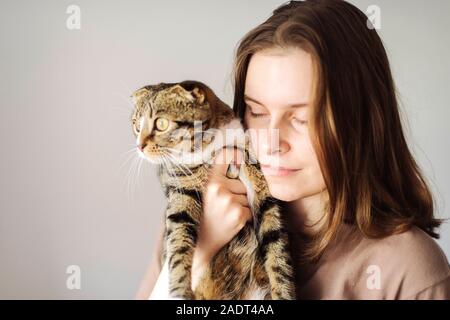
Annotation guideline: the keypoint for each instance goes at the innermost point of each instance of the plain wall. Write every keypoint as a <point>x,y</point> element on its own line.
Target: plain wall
<point>71,194</point>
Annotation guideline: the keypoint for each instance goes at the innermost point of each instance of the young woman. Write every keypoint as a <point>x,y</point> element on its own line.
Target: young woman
<point>360,212</point>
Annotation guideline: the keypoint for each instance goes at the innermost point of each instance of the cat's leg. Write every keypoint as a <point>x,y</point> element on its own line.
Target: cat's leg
<point>274,250</point>
<point>182,220</point>
<point>208,287</point>
<point>228,274</point>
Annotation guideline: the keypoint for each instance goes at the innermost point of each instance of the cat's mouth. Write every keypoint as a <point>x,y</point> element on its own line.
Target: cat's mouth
<point>161,156</point>
<point>154,156</point>
<point>174,158</point>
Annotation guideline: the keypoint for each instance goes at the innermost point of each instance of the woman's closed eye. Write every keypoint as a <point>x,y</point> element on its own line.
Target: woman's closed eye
<point>257,114</point>
<point>299,121</point>
<point>295,121</point>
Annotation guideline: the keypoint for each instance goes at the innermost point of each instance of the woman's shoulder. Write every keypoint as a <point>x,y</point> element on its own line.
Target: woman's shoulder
<point>408,264</point>
<point>414,249</point>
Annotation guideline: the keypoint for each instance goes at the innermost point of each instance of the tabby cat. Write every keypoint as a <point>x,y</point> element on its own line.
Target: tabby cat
<point>256,263</point>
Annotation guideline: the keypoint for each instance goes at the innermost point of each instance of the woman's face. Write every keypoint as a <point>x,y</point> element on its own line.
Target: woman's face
<point>277,95</point>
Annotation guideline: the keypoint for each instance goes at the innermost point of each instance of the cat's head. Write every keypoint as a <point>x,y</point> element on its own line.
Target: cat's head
<point>164,115</point>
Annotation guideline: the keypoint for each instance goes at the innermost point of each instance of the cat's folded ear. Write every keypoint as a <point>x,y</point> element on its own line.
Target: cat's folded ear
<point>138,94</point>
<point>199,95</point>
<point>196,95</point>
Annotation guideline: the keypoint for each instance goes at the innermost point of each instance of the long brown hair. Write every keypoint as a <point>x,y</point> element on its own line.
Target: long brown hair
<point>371,177</point>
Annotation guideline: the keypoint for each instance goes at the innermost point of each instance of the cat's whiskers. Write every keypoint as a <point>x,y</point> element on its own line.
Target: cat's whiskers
<point>127,155</point>
<point>177,153</point>
<point>169,163</point>
<point>174,178</point>
<point>176,162</point>
<point>191,174</point>
<point>139,175</point>
<point>130,174</point>
<point>177,165</point>
<point>134,174</point>
<point>172,150</point>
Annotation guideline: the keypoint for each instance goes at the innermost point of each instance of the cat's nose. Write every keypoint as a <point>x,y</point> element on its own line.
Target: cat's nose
<point>141,146</point>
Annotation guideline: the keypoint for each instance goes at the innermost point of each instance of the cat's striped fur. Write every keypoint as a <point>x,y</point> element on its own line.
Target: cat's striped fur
<point>257,260</point>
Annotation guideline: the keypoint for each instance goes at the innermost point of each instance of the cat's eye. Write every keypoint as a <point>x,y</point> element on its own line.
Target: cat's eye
<point>162,124</point>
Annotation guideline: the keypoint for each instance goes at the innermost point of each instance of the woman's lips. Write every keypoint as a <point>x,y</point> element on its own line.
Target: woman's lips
<point>277,171</point>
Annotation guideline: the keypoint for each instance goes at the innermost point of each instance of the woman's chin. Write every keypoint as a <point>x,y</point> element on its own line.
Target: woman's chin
<point>284,193</point>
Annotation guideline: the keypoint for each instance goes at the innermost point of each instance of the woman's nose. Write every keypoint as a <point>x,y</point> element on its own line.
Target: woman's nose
<point>272,142</point>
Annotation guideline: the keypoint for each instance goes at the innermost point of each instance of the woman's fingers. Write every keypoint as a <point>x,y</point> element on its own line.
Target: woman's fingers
<point>235,186</point>
<point>223,159</point>
<point>241,199</point>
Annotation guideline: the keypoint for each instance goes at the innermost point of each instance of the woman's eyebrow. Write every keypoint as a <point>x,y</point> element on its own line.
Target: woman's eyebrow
<point>295,105</point>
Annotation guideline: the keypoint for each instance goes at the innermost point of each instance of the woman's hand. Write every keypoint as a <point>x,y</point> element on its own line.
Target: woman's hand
<point>225,211</point>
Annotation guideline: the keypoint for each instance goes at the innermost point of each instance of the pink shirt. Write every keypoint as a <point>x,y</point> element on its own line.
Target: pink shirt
<point>410,265</point>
